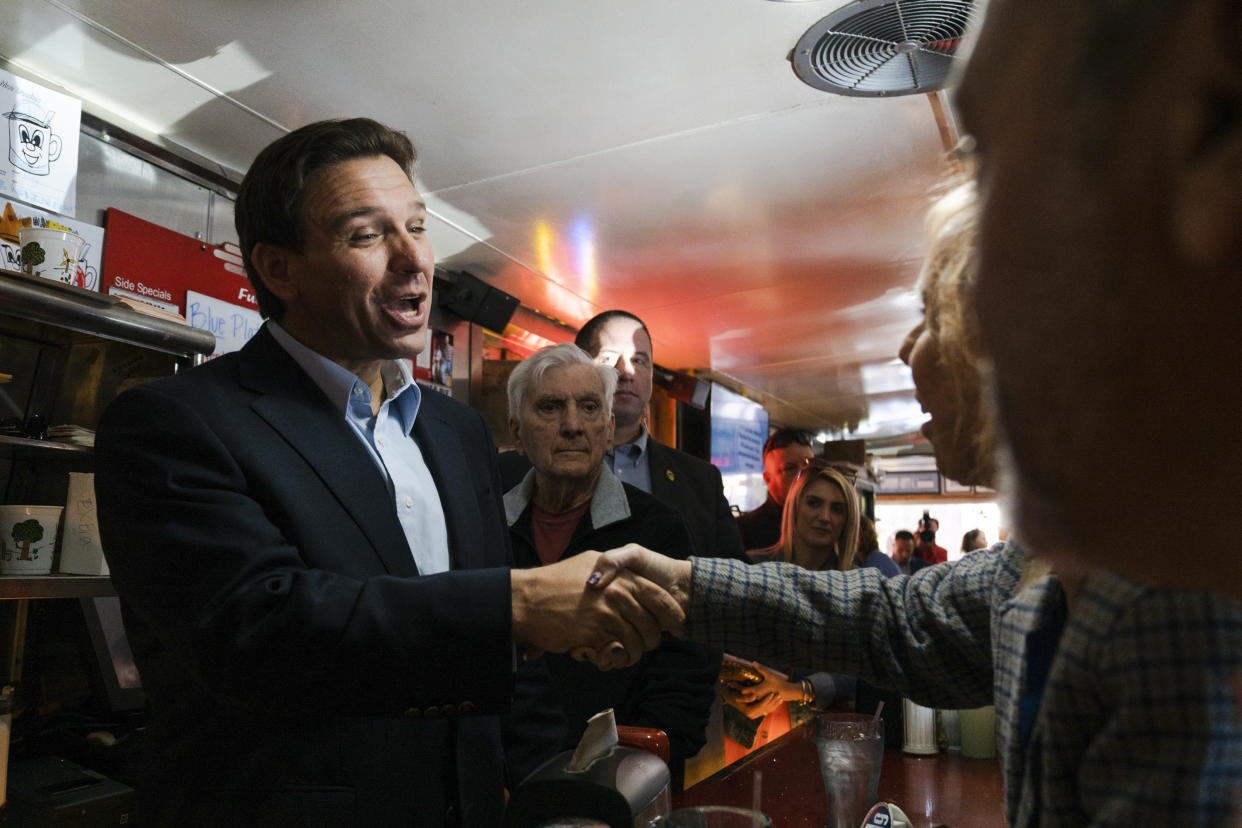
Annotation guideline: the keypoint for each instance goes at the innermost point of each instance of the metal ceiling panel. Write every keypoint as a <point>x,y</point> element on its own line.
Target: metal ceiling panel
<point>579,154</point>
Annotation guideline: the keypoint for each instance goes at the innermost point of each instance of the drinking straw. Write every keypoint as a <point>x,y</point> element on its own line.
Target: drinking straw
<point>878,709</point>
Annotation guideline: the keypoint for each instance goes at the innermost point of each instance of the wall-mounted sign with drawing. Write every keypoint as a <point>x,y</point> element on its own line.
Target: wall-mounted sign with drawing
<point>83,271</point>
<point>40,165</point>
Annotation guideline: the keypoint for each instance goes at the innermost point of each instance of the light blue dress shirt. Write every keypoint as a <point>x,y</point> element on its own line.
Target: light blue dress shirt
<point>386,436</point>
<point>630,463</point>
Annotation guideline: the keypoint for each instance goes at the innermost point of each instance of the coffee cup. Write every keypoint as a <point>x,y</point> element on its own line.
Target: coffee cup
<point>28,539</point>
<point>52,254</point>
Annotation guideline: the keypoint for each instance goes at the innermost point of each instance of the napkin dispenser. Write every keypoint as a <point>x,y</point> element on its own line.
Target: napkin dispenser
<point>600,780</point>
<point>625,788</point>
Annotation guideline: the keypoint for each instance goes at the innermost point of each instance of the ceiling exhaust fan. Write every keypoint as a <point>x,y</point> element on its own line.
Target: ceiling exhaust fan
<point>879,48</point>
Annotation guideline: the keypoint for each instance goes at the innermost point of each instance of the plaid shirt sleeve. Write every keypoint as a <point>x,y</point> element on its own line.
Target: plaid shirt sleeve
<point>1139,725</point>
<point>926,635</point>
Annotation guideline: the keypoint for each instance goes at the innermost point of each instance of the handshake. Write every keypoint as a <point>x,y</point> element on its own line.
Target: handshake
<point>607,608</point>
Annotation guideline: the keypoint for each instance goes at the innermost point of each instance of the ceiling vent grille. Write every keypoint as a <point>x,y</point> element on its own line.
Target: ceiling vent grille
<point>876,48</point>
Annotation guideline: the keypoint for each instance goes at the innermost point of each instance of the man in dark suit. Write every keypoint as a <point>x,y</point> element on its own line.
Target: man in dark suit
<point>312,557</point>
<point>785,453</point>
<point>691,486</point>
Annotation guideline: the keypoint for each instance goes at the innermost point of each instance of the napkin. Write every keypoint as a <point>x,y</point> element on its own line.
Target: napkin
<point>598,740</point>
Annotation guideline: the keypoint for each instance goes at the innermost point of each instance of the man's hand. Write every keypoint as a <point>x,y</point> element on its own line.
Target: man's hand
<point>671,574</point>
<point>612,624</point>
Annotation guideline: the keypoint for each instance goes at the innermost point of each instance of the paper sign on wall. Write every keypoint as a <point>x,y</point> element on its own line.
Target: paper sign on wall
<point>231,325</point>
<point>40,161</point>
<point>14,215</point>
<point>157,265</point>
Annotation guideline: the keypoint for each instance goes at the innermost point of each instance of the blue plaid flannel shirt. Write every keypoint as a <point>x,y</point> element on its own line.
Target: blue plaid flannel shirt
<point>1137,723</point>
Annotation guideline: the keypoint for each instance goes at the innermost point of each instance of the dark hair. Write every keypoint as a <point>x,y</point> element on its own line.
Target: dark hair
<point>588,336</point>
<point>785,437</point>
<point>968,539</point>
<point>904,534</point>
<point>867,539</point>
<point>269,204</point>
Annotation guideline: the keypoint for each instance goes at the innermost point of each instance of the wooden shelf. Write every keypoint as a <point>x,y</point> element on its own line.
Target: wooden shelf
<point>54,586</point>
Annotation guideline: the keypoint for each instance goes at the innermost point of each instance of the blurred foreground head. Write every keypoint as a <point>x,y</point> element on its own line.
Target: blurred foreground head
<point>1109,142</point>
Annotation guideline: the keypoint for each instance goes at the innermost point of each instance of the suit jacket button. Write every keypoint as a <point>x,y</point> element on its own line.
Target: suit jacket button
<point>413,713</point>
<point>465,708</point>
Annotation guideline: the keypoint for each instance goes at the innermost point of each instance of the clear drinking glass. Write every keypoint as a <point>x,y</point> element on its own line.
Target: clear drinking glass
<point>851,750</point>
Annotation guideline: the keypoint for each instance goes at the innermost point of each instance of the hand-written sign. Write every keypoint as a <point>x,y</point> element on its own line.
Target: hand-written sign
<point>231,325</point>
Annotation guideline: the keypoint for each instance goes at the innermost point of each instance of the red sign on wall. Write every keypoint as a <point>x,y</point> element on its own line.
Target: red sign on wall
<point>157,265</point>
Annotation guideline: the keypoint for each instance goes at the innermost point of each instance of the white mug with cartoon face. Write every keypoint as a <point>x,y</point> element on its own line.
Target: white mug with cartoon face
<point>32,144</point>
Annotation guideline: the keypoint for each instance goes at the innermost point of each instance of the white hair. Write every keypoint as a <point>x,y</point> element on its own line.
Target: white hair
<point>529,372</point>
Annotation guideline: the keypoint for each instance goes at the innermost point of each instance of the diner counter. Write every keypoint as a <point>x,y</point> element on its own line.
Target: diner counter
<point>944,789</point>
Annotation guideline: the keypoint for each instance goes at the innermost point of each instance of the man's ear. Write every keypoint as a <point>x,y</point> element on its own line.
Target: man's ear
<point>1207,182</point>
<point>271,262</point>
<point>516,433</point>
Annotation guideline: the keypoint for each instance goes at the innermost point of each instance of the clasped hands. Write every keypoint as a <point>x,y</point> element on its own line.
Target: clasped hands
<point>606,608</point>
<point>758,700</point>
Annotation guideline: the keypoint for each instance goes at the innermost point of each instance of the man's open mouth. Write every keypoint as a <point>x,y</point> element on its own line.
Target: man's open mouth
<point>407,308</point>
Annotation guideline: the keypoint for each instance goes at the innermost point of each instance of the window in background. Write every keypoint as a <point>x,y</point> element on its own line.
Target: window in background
<point>739,428</point>
<point>956,519</point>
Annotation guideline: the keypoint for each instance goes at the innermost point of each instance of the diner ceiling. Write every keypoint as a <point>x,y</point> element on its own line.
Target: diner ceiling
<point>655,155</point>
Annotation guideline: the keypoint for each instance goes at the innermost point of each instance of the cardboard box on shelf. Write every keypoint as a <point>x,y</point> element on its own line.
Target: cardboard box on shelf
<point>80,550</point>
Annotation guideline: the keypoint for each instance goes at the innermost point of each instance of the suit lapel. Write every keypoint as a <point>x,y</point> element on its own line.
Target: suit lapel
<point>662,474</point>
<point>445,456</point>
<point>297,409</point>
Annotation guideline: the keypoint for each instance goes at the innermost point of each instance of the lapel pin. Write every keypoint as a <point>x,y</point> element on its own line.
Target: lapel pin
<point>669,474</point>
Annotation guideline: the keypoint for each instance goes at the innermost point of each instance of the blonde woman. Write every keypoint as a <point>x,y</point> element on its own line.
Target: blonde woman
<point>820,521</point>
<point>819,531</point>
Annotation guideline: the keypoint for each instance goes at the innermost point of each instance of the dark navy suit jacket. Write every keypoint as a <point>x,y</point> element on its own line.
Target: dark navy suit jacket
<point>300,670</point>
